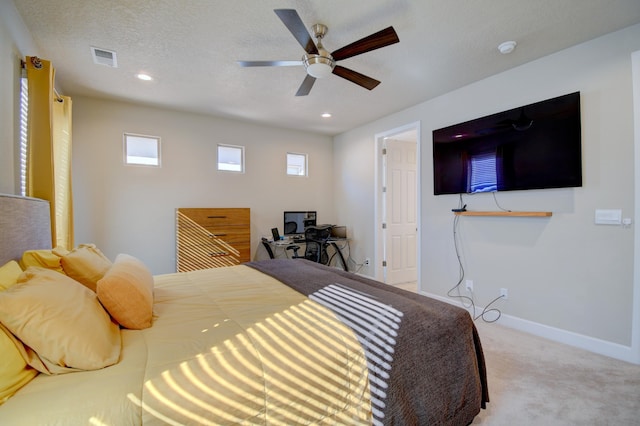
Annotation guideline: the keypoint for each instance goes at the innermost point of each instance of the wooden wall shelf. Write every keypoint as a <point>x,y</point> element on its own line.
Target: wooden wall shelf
<point>504,213</point>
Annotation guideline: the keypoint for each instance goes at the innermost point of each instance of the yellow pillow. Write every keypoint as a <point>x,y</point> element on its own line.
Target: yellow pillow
<point>9,273</point>
<point>44,258</point>
<point>14,371</point>
<point>61,320</point>
<point>86,264</point>
<point>126,291</point>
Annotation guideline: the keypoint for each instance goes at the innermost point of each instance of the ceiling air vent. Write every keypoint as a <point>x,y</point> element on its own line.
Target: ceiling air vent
<point>104,57</point>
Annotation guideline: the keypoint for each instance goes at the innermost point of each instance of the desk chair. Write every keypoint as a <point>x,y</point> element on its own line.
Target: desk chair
<point>295,249</point>
<point>316,243</point>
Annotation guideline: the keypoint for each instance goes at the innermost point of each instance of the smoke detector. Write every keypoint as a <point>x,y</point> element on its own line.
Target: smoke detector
<point>507,47</point>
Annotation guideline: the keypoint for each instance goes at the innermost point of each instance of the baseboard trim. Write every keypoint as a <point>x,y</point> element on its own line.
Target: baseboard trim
<point>592,344</point>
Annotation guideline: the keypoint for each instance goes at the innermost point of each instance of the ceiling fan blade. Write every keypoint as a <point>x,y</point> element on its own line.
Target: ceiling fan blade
<point>374,41</point>
<point>355,77</point>
<point>292,21</point>
<point>306,86</point>
<point>269,63</point>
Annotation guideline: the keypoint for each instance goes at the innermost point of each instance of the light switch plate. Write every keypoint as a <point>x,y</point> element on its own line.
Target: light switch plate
<point>608,217</point>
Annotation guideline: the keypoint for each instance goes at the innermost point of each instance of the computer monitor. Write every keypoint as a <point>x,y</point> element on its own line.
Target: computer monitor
<point>297,222</point>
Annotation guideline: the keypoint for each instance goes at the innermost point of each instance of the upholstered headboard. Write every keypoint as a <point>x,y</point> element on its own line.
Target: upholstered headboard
<point>24,225</point>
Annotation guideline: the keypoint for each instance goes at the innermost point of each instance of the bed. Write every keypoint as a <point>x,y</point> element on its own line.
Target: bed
<point>277,342</point>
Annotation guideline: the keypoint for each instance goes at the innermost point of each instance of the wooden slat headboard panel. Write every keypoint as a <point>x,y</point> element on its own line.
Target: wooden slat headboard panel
<point>24,225</point>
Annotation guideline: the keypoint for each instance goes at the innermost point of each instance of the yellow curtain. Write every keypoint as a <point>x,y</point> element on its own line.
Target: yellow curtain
<point>49,155</point>
<point>62,171</point>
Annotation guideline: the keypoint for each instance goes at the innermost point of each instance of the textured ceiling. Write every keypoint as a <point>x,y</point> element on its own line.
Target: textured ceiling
<point>190,47</point>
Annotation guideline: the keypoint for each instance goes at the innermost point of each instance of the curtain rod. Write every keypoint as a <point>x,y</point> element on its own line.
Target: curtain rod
<point>59,98</point>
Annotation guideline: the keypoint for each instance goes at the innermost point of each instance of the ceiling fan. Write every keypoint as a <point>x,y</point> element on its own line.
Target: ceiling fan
<point>520,124</point>
<point>317,61</point>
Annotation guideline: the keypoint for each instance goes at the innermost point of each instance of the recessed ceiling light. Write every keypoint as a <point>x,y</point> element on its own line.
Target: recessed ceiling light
<point>145,77</point>
<point>326,115</point>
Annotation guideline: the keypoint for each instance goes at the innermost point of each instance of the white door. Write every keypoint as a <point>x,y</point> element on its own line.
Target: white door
<point>401,236</point>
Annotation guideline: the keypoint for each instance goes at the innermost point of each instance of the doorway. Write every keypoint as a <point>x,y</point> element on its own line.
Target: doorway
<point>397,205</point>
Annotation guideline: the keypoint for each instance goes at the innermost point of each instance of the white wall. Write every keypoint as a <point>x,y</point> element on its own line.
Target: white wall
<point>132,209</point>
<point>562,272</point>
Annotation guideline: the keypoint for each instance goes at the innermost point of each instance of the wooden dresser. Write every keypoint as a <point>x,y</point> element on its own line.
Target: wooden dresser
<point>212,237</point>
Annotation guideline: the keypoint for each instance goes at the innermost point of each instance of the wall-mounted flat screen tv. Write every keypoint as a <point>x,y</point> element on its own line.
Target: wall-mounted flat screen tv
<point>535,146</point>
<point>297,222</point>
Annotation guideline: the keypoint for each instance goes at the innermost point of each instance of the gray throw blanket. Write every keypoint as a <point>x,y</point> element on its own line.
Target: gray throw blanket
<point>426,365</point>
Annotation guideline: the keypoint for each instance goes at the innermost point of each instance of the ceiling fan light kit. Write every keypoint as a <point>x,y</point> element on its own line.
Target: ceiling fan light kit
<point>317,61</point>
<point>318,66</point>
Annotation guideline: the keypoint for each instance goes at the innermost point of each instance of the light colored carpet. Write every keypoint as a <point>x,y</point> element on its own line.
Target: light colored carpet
<point>534,381</point>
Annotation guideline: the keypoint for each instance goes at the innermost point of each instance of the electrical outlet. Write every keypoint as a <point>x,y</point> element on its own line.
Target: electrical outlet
<point>504,293</point>
<point>367,261</point>
<point>469,285</point>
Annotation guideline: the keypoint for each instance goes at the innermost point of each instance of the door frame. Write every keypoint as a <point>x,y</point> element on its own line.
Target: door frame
<point>379,199</point>
<point>634,355</point>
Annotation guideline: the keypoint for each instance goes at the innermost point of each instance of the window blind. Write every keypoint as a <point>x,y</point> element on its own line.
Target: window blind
<point>483,173</point>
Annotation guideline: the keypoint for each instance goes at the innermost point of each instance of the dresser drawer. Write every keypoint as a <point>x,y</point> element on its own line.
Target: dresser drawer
<point>212,237</point>
<point>218,218</point>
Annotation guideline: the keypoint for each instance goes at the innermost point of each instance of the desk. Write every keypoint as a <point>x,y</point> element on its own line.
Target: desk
<point>338,244</point>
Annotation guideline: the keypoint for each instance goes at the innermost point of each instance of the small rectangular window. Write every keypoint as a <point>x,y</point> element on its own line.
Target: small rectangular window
<point>296,164</point>
<point>231,158</point>
<point>141,150</point>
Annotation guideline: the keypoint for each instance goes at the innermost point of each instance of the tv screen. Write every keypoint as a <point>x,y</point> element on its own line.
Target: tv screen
<point>535,146</point>
<point>297,222</point>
